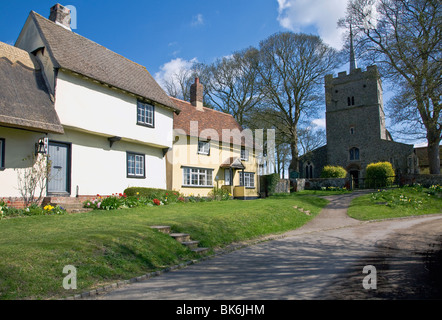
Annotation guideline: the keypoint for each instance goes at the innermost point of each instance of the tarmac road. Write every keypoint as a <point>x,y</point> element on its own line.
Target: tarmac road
<point>322,260</point>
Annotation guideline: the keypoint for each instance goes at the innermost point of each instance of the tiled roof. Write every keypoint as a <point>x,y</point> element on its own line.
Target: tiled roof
<point>24,99</point>
<point>207,119</point>
<point>73,52</point>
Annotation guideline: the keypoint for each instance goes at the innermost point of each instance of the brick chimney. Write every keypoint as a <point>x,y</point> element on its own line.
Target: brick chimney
<point>61,16</point>
<point>196,94</point>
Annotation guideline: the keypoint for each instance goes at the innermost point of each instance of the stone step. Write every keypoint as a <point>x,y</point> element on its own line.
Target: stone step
<point>180,237</point>
<point>191,244</point>
<point>200,250</point>
<point>163,229</point>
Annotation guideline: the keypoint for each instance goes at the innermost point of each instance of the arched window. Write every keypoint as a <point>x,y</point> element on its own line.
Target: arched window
<point>354,154</point>
<point>309,170</point>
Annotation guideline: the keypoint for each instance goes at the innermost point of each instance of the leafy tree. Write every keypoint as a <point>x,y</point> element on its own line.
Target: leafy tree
<point>403,37</point>
<point>292,67</point>
<point>232,84</point>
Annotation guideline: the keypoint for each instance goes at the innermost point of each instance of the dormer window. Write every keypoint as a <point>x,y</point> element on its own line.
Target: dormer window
<point>145,114</point>
<point>204,147</point>
<point>244,154</point>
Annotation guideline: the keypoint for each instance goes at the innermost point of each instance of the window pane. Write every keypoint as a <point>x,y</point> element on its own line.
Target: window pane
<point>131,164</point>
<point>1,154</point>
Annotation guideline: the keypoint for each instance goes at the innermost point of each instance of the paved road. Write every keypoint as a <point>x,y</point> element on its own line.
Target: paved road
<point>321,260</point>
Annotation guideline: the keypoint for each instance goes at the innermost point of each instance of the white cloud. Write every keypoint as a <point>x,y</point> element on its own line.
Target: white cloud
<point>197,20</point>
<point>295,15</point>
<point>171,69</point>
<point>319,123</point>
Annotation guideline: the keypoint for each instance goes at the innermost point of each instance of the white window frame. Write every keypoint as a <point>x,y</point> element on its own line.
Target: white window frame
<point>136,165</point>
<point>244,154</point>
<point>249,179</point>
<point>197,177</point>
<point>2,153</point>
<point>145,114</point>
<point>204,147</point>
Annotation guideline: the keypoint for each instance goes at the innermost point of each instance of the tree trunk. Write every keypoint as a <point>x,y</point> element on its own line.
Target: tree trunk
<point>433,156</point>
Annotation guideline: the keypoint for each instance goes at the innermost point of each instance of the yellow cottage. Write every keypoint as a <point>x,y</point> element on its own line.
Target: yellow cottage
<point>210,150</point>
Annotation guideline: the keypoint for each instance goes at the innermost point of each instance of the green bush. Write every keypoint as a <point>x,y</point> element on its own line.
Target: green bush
<point>379,174</point>
<point>152,193</point>
<point>270,182</point>
<point>333,172</point>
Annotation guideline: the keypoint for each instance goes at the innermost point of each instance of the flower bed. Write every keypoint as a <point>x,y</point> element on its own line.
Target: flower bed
<point>137,197</point>
<point>7,211</point>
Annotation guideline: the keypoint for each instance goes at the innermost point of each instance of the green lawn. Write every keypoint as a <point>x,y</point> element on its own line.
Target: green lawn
<point>108,246</point>
<point>394,203</point>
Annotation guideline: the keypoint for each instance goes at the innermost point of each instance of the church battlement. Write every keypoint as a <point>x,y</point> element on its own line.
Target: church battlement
<point>356,74</point>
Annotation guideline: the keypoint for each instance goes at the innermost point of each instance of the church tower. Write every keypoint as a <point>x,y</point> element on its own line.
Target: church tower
<point>355,126</point>
<point>355,117</point>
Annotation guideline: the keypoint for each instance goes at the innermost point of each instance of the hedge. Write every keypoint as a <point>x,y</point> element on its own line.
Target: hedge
<point>150,193</point>
<point>379,174</point>
<point>333,172</point>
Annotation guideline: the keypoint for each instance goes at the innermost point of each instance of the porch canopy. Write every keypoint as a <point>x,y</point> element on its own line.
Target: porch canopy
<point>233,163</point>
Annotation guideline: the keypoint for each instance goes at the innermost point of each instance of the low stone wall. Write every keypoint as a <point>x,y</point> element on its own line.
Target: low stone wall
<point>283,186</point>
<point>318,183</point>
<point>426,180</point>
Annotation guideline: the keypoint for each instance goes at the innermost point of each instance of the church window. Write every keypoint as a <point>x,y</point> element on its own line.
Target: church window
<point>351,101</point>
<point>309,170</point>
<point>354,154</point>
<point>352,130</point>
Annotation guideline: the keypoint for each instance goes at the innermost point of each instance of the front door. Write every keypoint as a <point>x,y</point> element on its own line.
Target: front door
<point>59,155</point>
<point>354,174</point>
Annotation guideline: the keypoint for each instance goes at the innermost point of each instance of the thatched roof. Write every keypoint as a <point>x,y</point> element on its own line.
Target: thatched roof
<point>24,99</point>
<point>78,54</point>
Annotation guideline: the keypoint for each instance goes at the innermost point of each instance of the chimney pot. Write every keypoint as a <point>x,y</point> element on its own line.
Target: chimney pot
<point>61,16</point>
<point>197,94</point>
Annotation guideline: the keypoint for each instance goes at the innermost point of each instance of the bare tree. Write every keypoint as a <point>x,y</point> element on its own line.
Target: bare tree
<point>292,68</point>
<point>233,84</point>
<point>33,179</point>
<point>311,138</point>
<point>403,37</point>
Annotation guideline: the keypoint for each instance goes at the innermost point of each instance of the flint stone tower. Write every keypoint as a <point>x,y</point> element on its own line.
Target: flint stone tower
<point>355,127</point>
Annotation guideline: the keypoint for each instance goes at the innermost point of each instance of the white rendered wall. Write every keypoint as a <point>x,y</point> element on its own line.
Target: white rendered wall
<point>98,169</point>
<point>88,106</point>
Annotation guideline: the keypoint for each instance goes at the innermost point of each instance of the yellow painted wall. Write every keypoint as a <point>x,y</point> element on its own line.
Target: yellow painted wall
<point>185,154</point>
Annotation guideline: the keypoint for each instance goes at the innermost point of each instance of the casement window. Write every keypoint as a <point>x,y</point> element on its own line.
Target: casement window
<point>2,153</point>
<point>247,179</point>
<point>244,154</point>
<point>195,177</point>
<point>136,165</point>
<point>354,154</point>
<point>204,147</point>
<point>145,114</point>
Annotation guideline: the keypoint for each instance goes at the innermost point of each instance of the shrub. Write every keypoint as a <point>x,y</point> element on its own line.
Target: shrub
<point>333,172</point>
<point>379,174</point>
<point>219,194</point>
<point>269,183</point>
<point>152,193</point>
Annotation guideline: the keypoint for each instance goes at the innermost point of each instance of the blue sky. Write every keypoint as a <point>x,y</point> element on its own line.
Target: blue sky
<point>155,33</point>
<point>169,34</point>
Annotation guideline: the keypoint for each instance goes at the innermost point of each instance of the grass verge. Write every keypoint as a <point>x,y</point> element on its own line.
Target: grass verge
<point>395,203</point>
<point>109,246</point>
